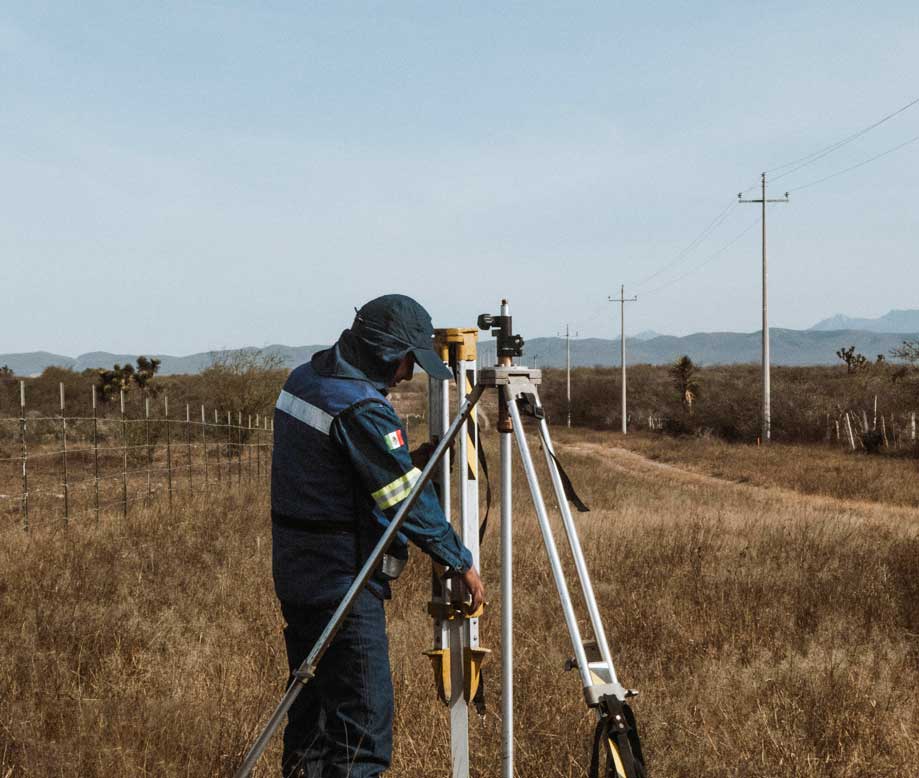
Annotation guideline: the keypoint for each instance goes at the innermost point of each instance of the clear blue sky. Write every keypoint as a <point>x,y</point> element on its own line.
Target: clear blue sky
<point>183,176</point>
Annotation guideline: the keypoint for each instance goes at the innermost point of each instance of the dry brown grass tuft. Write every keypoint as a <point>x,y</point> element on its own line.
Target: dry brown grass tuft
<point>770,634</point>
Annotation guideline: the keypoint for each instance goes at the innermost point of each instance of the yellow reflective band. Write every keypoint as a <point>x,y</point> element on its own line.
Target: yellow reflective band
<point>396,491</point>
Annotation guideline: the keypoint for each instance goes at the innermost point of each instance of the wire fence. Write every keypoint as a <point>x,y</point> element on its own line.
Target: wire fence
<point>58,469</point>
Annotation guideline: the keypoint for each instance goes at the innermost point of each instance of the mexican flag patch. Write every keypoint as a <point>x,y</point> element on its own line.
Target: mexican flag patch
<point>394,440</point>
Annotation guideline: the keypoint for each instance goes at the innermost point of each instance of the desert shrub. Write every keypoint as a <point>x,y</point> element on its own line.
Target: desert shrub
<point>244,382</point>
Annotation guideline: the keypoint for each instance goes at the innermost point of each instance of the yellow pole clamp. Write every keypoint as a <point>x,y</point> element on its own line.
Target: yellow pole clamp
<point>472,670</point>
<point>440,657</point>
<point>440,663</point>
<point>459,343</point>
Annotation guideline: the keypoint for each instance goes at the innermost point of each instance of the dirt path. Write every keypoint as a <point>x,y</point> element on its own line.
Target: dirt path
<point>634,464</point>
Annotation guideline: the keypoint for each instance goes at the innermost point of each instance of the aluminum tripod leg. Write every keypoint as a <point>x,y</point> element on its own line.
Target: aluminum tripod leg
<point>548,538</point>
<point>507,608</point>
<point>579,562</point>
<point>307,669</point>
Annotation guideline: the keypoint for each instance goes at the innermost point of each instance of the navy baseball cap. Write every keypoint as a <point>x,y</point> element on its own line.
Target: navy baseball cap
<point>403,321</point>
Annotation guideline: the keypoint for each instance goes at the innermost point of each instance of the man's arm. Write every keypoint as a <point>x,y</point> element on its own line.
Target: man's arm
<point>376,443</point>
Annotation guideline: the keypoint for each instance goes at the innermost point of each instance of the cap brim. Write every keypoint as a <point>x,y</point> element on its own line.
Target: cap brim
<point>432,364</point>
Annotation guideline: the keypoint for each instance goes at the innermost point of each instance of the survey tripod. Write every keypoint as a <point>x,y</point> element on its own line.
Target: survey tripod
<point>456,655</point>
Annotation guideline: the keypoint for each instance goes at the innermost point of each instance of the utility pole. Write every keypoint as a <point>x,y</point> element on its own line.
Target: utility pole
<point>767,392</point>
<point>568,371</point>
<point>622,300</point>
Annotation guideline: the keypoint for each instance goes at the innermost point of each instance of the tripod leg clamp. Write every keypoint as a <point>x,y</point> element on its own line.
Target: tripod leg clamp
<point>617,735</point>
<point>303,675</point>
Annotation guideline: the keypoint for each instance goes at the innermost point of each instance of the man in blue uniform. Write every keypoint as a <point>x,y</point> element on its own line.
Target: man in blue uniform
<point>340,470</point>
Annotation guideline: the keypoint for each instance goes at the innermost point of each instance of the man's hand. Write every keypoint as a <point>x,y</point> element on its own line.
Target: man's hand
<point>475,587</point>
<point>422,454</point>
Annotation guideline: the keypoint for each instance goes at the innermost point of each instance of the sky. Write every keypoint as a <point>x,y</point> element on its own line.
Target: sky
<point>180,177</point>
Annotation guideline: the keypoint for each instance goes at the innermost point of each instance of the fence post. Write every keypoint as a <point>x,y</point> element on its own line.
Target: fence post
<point>912,426</point>
<point>249,448</point>
<point>849,430</point>
<point>229,450</point>
<point>25,456</point>
<point>95,456</point>
<point>124,460</point>
<point>219,463</point>
<point>239,447</point>
<point>168,449</point>
<point>258,449</point>
<point>147,444</point>
<point>191,487</point>
<point>204,444</point>
<point>64,458</point>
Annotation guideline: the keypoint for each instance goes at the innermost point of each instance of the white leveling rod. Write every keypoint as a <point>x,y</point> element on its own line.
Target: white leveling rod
<point>307,669</point>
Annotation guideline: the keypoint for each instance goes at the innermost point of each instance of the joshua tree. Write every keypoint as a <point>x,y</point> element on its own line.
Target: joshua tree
<point>111,382</point>
<point>683,372</point>
<point>854,361</point>
<point>147,367</point>
<point>123,377</point>
<point>908,351</point>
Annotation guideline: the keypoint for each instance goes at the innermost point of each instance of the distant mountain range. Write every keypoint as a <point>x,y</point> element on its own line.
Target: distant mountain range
<point>788,347</point>
<point>815,346</point>
<point>904,321</point>
<point>34,362</point>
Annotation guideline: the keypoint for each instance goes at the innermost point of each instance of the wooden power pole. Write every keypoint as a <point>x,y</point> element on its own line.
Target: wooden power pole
<point>767,392</point>
<point>622,300</point>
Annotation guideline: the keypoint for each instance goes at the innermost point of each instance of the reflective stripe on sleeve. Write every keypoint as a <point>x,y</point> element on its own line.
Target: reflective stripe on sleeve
<point>396,491</point>
<point>303,411</point>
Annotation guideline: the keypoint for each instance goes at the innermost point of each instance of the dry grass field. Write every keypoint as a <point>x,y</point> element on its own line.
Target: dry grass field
<point>891,477</point>
<point>771,632</point>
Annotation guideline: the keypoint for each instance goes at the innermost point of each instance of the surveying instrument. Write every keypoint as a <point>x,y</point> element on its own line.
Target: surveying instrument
<point>456,655</point>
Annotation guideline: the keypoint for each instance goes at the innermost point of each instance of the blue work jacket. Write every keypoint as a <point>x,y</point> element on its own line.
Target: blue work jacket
<point>341,467</point>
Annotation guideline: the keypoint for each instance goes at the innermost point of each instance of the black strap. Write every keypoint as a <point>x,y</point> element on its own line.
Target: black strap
<point>599,732</point>
<point>570,494</point>
<point>484,465</point>
<point>529,405</point>
<point>479,699</point>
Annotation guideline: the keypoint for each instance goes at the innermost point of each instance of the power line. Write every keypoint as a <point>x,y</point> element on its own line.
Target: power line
<point>712,226</point>
<point>708,260</point>
<point>600,310</point>
<point>854,167</point>
<point>797,164</point>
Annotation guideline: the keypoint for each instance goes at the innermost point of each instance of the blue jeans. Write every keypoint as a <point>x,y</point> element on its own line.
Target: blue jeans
<point>340,726</point>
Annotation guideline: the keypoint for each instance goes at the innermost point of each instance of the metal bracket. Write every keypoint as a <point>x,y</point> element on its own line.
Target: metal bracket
<point>592,694</point>
<point>501,375</point>
<point>304,674</point>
